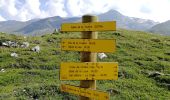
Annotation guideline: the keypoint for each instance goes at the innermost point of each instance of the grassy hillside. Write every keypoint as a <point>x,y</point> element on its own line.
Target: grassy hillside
<point>34,75</point>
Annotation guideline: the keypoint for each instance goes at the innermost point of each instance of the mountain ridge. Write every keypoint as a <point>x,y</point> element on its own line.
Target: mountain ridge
<point>163,28</point>
<point>48,25</point>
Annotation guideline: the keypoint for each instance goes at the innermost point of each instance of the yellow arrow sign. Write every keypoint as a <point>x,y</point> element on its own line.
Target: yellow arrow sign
<point>92,26</point>
<point>88,45</point>
<point>89,71</point>
<point>93,94</point>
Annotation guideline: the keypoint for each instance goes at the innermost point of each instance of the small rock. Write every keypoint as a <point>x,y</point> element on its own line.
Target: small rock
<point>112,91</point>
<point>2,70</point>
<point>14,54</point>
<point>155,74</point>
<point>102,55</point>
<point>36,48</point>
<point>25,45</point>
<point>50,40</point>
<point>12,44</point>
<point>4,44</point>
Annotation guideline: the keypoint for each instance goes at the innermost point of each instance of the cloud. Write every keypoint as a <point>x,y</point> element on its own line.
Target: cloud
<point>20,9</point>
<point>145,9</point>
<point>53,8</point>
<point>28,9</point>
<point>7,8</point>
<point>160,10</point>
<point>2,19</point>
<point>80,7</point>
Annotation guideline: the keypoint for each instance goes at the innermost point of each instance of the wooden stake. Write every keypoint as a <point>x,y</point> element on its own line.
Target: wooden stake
<point>88,56</point>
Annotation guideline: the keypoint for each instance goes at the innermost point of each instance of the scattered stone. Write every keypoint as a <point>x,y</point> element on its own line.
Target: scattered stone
<point>14,54</point>
<point>15,91</point>
<point>25,45</point>
<point>36,48</point>
<point>2,70</point>
<point>10,44</point>
<point>102,55</point>
<point>155,74</point>
<point>112,91</point>
<point>15,44</point>
<point>4,44</point>
<point>50,40</point>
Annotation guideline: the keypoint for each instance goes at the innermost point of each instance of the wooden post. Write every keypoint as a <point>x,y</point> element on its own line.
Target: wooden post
<point>88,56</point>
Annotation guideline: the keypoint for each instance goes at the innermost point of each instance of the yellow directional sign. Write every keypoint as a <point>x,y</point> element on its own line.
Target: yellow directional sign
<point>93,94</point>
<point>89,45</point>
<point>92,26</point>
<point>89,71</point>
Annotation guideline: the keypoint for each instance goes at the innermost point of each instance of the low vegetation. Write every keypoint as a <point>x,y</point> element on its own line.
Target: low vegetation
<point>144,67</point>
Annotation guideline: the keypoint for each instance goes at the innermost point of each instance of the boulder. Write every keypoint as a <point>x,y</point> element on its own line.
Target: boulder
<point>36,48</point>
<point>12,44</point>
<point>4,44</point>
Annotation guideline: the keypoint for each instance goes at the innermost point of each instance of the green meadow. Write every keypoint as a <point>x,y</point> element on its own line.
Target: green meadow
<point>35,75</point>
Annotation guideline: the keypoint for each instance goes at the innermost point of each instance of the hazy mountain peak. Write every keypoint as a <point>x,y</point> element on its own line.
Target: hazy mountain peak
<point>47,25</point>
<point>113,12</point>
<point>161,28</point>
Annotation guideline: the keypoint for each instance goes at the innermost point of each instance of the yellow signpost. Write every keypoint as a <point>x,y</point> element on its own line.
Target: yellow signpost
<point>88,45</point>
<point>93,94</point>
<point>91,26</point>
<point>89,71</point>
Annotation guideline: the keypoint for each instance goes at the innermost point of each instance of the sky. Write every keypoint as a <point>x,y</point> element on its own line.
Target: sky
<point>23,10</point>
